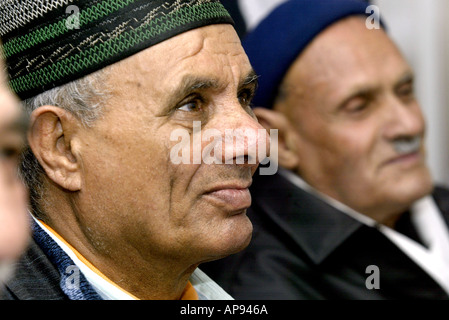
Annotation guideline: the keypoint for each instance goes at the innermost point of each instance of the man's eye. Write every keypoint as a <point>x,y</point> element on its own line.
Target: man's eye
<point>245,97</point>
<point>9,157</point>
<point>406,92</point>
<point>356,105</point>
<point>192,104</point>
<point>190,107</point>
<point>358,108</point>
<point>8,153</point>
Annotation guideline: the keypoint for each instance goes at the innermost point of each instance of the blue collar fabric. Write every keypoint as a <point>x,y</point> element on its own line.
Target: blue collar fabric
<point>73,283</point>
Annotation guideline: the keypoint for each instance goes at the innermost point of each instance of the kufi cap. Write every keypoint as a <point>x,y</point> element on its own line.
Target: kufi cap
<point>279,39</point>
<point>48,43</point>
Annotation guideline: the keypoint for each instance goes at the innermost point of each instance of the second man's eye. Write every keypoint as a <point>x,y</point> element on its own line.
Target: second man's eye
<point>245,97</point>
<point>8,152</point>
<point>357,105</point>
<point>406,92</point>
<point>9,156</point>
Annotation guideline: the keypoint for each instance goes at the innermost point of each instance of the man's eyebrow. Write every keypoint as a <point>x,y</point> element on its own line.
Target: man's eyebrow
<point>360,91</point>
<point>18,125</point>
<point>250,79</point>
<point>407,77</point>
<point>190,84</point>
<point>368,91</point>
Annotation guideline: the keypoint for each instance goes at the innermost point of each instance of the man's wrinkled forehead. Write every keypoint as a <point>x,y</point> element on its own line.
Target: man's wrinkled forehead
<point>208,42</point>
<point>347,56</point>
<point>207,57</point>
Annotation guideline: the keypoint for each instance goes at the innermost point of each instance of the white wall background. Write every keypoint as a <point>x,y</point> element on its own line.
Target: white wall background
<point>255,10</point>
<point>421,31</point>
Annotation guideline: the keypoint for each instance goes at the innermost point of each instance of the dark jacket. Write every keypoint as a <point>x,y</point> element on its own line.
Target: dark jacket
<point>45,272</point>
<point>35,278</point>
<point>303,248</point>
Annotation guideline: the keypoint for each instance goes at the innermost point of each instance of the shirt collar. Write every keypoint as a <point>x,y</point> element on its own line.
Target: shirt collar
<point>426,218</point>
<point>106,288</point>
<point>432,229</point>
<point>288,202</point>
<point>300,183</point>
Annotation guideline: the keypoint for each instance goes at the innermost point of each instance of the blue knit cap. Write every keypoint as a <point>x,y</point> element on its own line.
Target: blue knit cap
<point>278,40</point>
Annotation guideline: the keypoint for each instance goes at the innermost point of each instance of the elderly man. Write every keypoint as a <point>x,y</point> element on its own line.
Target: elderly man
<point>353,212</point>
<point>14,224</point>
<point>107,84</point>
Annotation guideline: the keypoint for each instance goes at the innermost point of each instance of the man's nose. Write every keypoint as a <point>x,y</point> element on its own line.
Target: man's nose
<point>404,120</point>
<point>244,141</point>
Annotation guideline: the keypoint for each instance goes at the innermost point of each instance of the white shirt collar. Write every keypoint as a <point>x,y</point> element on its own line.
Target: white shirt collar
<point>432,229</point>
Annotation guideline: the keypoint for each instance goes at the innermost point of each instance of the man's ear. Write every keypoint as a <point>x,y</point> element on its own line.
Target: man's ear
<point>287,136</point>
<point>51,138</point>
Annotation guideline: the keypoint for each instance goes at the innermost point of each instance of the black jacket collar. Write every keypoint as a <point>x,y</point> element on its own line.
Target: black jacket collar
<point>318,234</point>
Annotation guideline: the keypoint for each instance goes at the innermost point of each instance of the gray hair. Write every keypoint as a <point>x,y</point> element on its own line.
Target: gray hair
<point>84,98</point>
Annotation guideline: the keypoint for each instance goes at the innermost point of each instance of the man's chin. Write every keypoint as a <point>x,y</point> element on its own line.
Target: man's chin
<point>417,187</point>
<point>404,196</point>
<point>408,184</point>
<point>230,246</point>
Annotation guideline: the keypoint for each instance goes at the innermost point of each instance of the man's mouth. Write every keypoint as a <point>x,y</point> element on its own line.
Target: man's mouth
<point>234,198</point>
<point>408,151</point>
<point>409,158</point>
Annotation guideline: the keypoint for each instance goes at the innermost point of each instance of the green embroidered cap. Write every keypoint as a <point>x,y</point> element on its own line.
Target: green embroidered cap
<point>47,43</point>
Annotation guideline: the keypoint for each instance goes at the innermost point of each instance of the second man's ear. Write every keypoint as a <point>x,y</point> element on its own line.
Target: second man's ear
<point>287,137</point>
<point>52,138</point>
